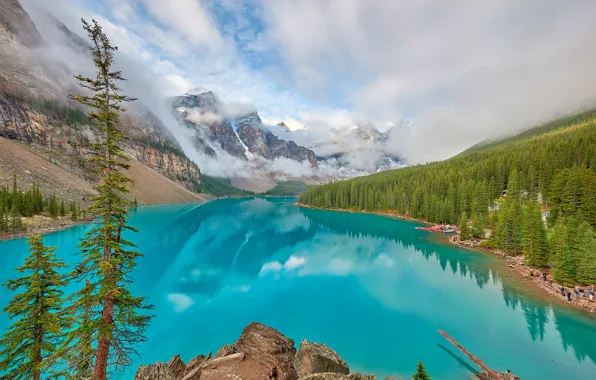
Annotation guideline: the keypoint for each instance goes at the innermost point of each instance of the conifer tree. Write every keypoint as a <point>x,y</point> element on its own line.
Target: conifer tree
<point>107,261</point>
<point>73,211</point>
<point>62,208</point>
<point>464,230</point>
<point>534,236</point>
<point>27,349</point>
<point>586,269</point>
<point>420,372</point>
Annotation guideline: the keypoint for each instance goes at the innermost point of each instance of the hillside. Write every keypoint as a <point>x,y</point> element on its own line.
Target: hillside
<point>544,173</point>
<point>288,188</point>
<point>30,166</point>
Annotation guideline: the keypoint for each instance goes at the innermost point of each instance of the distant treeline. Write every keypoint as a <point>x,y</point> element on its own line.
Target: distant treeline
<point>508,187</point>
<point>15,203</point>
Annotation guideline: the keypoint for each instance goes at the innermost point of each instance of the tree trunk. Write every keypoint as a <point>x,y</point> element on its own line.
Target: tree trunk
<point>38,339</point>
<point>103,346</point>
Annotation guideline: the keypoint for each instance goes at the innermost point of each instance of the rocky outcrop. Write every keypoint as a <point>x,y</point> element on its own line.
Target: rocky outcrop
<point>16,25</point>
<point>266,144</point>
<point>270,348</point>
<point>157,371</point>
<point>338,376</point>
<point>226,350</point>
<point>177,366</point>
<point>47,124</point>
<point>261,353</point>
<point>318,358</point>
<point>204,114</point>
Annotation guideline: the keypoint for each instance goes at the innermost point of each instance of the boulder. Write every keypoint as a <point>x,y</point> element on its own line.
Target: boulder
<point>235,366</point>
<point>196,362</point>
<point>318,358</point>
<point>269,348</point>
<point>157,371</point>
<point>338,376</point>
<point>177,366</point>
<point>226,350</point>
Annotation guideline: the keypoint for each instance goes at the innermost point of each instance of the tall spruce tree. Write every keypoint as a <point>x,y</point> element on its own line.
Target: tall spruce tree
<point>27,349</point>
<point>534,236</point>
<point>420,372</point>
<point>117,323</point>
<point>464,230</point>
<point>586,269</point>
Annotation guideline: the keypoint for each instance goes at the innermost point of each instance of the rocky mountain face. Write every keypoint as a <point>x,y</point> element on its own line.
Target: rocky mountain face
<point>34,109</point>
<point>242,136</point>
<point>16,25</point>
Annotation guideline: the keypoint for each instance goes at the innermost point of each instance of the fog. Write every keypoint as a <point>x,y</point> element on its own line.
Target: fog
<point>459,72</point>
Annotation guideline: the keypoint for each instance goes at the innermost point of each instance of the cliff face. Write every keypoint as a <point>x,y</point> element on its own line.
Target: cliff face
<point>63,131</point>
<point>266,144</point>
<point>241,136</point>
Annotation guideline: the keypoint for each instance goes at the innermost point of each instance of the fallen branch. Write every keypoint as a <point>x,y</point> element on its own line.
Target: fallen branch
<point>491,374</point>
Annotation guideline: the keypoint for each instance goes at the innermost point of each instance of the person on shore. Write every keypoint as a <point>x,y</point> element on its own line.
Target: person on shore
<point>563,291</point>
<point>568,296</point>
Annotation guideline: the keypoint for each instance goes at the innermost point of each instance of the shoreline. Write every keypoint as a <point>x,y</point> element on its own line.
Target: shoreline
<point>515,264</point>
<point>55,226</point>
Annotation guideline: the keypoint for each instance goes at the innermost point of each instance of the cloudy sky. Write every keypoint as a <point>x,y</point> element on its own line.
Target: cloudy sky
<point>460,70</point>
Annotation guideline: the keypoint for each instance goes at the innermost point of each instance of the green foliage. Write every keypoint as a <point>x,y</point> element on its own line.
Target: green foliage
<point>464,231</point>
<point>552,166</point>
<point>534,236</point>
<point>115,320</point>
<point>586,269</point>
<point>219,187</point>
<point>27,349</point>
<point>161,146</point>
<point>288,188</point>
<point>16,203</point>
<point>420,372</point>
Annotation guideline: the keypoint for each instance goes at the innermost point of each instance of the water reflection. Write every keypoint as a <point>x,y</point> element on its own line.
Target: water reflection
<point>213,251</point>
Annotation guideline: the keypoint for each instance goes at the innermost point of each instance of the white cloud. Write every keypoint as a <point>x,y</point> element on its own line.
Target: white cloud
<point>190,19</point>
<point>294,262</point>
<point>463,71</point>
<point>273,266</point>
<point>180,301</point>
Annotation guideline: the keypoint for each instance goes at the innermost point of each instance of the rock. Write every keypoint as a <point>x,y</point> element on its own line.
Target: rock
<point>235,366</point>
<point>177,366</point>
<point>195,363</point>
<point>226,350</point>
<point>157,371</point>
<point>325,376</point>
<point>270,348</point>
<point>318,358</point>
<point>359,376</point>
<point>338,376</point>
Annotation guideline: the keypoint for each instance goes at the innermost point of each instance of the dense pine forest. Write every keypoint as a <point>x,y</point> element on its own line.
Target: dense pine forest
<point>16,203</point>
<point>531,194</point>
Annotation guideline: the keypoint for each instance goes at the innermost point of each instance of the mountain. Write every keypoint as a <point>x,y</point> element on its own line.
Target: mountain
<point>242,135</point>
<point>34,110</point>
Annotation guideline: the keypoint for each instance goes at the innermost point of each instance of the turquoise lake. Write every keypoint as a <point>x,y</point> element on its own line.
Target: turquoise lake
<point>373,288</point>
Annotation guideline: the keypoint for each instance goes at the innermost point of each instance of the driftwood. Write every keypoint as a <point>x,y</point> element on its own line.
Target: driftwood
<point>491,374</point>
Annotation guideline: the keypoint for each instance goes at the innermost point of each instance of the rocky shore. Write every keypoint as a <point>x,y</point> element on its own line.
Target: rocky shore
<point>532,276</point>
<point>41,225</point>
<point>263,353</point>
<point>516,263</point>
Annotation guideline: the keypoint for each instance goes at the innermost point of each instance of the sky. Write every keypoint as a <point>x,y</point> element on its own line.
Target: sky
<point>461,71</point>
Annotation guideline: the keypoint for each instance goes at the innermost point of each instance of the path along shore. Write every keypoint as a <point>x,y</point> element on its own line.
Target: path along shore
<point>550,290</point>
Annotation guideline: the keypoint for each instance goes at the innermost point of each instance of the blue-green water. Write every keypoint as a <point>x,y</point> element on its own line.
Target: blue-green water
<point>372,288</point>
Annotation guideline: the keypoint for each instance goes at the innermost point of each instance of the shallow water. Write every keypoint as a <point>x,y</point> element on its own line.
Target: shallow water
<point>372,288</point>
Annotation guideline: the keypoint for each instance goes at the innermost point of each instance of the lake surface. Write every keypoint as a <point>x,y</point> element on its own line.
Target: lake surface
<point>372,288</point>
